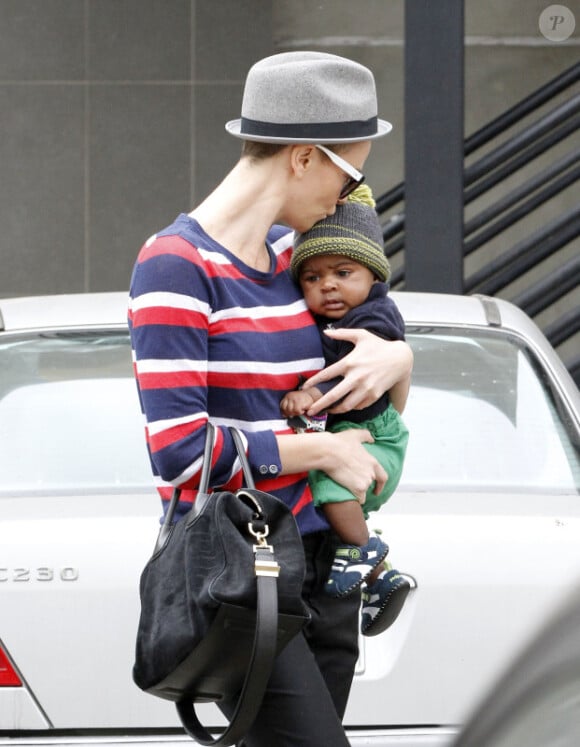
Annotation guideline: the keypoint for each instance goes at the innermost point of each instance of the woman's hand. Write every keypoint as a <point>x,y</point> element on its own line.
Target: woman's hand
<point>352,465</point>
<point>341,455</point>
<point>370,370</point>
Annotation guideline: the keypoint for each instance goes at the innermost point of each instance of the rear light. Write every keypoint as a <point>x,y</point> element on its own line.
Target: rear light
<point>8,676</point>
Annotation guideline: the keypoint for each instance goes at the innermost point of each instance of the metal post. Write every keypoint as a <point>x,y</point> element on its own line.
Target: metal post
<point>434,40</point>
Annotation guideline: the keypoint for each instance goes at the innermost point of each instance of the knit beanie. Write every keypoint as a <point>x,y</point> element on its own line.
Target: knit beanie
<point>353,231</point>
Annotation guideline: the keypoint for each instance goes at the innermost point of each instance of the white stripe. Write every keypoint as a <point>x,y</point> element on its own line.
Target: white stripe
<point>278,247</point>
<point>158,426</point>
<point>172,365</point>
<point>179,301</point>
<point>188,472</point>
<point>171,300</point>
<point>208,255</point>
<point>265,367</point>
<point>154,365</point>
<point>214,257</point>
<point>259,312</point>
<point>251,426</point>
<point>180,479</point>
<point>194,467</point>
<point>284,242</point>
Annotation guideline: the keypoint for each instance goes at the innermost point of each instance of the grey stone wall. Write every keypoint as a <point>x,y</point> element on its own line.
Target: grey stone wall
<point>111,122</point>
<point>112,112</point>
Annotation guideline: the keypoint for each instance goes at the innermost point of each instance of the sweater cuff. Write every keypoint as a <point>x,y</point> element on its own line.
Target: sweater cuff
<point>263,454</point>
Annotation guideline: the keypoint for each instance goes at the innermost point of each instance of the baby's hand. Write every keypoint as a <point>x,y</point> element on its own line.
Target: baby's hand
<point>296,403</point>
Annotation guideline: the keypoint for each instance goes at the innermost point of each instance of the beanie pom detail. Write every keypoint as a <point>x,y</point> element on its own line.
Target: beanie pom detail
<point>363,194</point>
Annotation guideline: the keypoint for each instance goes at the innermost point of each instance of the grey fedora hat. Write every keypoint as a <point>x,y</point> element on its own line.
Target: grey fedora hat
<point>310,97</point>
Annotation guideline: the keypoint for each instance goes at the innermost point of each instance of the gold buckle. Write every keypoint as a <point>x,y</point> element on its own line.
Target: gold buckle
<point>267,568</point>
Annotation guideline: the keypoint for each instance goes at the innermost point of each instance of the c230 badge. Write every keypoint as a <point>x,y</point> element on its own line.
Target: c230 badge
<point>42,574</point>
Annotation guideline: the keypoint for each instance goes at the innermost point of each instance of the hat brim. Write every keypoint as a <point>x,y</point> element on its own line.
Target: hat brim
<point>234,128</point>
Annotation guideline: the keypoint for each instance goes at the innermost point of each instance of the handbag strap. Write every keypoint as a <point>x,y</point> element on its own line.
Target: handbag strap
<point>205,473</point>
<point>259,669</point>
<point>165,529</point>
<point>264,644</point>
<point>206,468</point>
<point>239,444</point>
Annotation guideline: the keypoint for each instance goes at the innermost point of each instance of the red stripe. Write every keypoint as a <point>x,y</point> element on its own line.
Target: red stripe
<point>231,380</point>
<point>189,488</point>
<point>265,324</point>
<point>169,315</point>
<point>171,379</point>
<point>180,247</point>
<point>305,499</point>
<point>171,435</point>
<point>174,245</point>
<point>186,496</point>
<point>284,259</point>
<point>270,485</point>
<point>278,483</point>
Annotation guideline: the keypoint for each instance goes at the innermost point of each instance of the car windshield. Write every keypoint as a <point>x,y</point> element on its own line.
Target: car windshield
<point>481,413</point>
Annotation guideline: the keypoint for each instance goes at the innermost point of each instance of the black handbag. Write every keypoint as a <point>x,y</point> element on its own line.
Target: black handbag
<point>220,597</point>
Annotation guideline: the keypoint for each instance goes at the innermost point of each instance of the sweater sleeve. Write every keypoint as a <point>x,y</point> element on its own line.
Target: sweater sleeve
<point>169,317</point>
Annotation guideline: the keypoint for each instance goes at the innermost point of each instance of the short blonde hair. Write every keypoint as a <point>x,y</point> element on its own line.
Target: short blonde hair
<point>259,151</point>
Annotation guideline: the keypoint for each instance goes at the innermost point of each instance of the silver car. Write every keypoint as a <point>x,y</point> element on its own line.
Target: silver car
<point>536,702</point>
<point>487,519</point>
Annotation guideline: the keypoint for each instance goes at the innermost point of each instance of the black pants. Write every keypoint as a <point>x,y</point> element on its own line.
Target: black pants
<point>309,687</point>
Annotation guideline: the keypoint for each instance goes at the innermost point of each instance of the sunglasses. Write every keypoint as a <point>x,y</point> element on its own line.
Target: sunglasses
<point>355,178</point>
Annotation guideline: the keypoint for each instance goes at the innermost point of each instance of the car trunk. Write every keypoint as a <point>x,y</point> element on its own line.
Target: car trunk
<point>69,580</point>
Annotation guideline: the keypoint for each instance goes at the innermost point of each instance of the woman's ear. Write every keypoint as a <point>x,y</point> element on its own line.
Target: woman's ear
<point>302,159</point>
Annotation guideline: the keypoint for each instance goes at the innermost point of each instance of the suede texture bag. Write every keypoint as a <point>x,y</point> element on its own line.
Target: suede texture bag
<point>220,596</point>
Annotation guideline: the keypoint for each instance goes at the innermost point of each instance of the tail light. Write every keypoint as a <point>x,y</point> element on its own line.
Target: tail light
<point>8,675</point>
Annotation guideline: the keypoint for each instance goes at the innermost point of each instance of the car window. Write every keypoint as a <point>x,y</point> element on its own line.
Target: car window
<point>69,416</point>
<point>481,415</point>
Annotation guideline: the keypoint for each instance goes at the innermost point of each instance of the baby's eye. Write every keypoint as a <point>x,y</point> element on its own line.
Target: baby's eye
<point>344,273</point>
<point>310,278</point>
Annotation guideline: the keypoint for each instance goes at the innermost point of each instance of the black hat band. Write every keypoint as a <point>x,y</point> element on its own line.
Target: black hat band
<point>311,131</point>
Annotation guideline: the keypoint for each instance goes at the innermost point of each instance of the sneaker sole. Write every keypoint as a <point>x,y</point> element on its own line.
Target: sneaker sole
<point>390,610</point>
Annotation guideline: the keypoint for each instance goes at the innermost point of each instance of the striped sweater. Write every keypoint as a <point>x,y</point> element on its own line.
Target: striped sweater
<point>215,339</point>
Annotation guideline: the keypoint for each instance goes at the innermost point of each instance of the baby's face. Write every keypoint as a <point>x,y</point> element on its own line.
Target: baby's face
<point>333,284</point>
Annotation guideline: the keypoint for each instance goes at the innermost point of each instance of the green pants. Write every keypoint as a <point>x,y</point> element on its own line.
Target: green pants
<point>389,447</point>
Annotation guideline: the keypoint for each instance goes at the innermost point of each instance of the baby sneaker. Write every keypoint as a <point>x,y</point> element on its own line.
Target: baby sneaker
<point>383,601</point>
<point>353,564</point>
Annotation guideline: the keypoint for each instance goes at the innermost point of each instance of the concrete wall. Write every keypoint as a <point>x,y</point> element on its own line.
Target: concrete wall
<point>107,108</point>
<point>112,111</point>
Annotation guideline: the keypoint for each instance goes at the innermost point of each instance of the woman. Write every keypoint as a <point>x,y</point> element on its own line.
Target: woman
<point>221,332</point>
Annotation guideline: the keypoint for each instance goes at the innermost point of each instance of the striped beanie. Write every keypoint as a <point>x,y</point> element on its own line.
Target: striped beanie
<point>353,231</point>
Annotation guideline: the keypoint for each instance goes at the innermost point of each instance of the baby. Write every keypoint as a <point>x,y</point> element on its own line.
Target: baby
<point>342,270</point>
